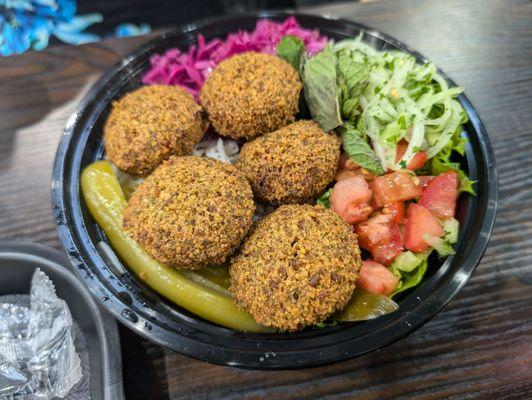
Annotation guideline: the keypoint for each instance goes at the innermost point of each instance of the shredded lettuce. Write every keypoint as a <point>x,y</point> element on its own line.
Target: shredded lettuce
<point>404,100</point>
<point>407,261</point>
<point>451,227</point>
<point>443,247</point>
<point>414,273</point>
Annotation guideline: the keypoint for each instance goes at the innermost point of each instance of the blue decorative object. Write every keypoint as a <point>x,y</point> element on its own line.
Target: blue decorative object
<point>26,24</point>
<point>128,29</point>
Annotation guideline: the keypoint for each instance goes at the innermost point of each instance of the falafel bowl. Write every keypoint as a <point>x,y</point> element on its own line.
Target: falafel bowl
<point>273,183</point>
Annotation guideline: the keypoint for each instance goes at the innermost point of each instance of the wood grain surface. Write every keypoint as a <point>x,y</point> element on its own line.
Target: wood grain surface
<point>479,346</point>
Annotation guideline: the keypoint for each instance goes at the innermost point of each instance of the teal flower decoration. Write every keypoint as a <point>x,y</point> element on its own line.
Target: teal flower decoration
<point>128,29</point>
<point>26,24</point>
<point>29,24</point>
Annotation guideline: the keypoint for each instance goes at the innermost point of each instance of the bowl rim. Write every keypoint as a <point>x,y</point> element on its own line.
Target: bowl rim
<point>201,341</point>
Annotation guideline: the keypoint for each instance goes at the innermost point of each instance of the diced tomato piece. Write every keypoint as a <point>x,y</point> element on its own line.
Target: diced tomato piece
<point>419,221</point>
<point>350,199</point>
<point>376,278</point>
<point>424,180</point>
<point>441,194</point>
<point>381,236</point>
<point>398,210</point>
<point>419,159</point>
<point>394,187</point>
<point>400,150</point>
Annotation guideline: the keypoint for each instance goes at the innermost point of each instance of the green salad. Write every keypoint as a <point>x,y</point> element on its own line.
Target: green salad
<point>396,118</point>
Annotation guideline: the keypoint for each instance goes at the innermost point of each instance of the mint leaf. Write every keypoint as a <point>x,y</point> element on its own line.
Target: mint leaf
<point>359,150</point>
<point>292,50</point>
<point>353,76</point>
<point>321,89</point>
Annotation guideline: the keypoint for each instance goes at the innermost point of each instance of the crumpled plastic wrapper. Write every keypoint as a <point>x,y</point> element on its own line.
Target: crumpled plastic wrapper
<point>38,358</point>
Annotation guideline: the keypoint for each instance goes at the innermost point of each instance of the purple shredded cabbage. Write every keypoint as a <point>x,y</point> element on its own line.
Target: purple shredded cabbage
<point>190,69</point>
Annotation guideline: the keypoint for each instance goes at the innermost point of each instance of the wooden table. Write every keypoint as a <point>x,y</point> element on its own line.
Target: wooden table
<point>477,347</point>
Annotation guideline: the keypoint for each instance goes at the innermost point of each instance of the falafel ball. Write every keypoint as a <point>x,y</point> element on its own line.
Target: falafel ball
<point>150,124</point>
<point>297,267</point>
<point>291,165</point>
<point>191,212</point>
<point>251,94</point>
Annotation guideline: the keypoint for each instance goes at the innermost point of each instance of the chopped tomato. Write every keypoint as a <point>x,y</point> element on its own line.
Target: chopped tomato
<point>350,199</point>
<point>424,180</point>
<point>419,159</point>
<point>381,236</point>
<point>440,195</point>
<point>397,186</point>
<point>419,221</point>
<point>376,278</point>
<point>401,150</point>
<point>396,209</point>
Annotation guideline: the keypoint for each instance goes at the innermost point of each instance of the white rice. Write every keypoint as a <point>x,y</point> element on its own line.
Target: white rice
<point>225,150</point>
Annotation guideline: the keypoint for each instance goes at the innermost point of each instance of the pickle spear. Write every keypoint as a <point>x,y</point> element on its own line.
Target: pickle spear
<point>196,293</point>
<point>364,305</point>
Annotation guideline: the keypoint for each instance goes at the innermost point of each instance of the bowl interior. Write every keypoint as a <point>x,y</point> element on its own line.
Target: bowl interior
<point>161,321</point>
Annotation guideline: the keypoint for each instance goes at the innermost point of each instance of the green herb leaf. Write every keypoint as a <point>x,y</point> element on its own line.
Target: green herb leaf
<point>324,199</point>
<point>292,50</point>
<point>321,90</point>
<point>359,150</point>
<point>350,108</point>
<point>353,76</point>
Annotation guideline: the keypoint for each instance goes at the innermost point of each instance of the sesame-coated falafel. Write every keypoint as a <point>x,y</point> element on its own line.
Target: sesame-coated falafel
<point>251,94</point>
<point>191,212</point>
<point>297,267</point>
<point>291,165</point>
<point>150,124</point>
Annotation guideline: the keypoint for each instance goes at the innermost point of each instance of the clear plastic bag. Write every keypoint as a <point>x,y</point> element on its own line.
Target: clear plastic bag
<point>38,359</point>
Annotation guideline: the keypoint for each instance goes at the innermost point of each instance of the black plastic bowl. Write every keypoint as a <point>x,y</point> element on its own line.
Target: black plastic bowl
<point>160,321</point>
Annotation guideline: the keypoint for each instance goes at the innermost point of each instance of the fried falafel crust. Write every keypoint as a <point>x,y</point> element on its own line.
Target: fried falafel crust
<point>150,124</point>
<point>250,94</point>
<point>291,165</point>
<point>297,267</point>
<point>191,212</point>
